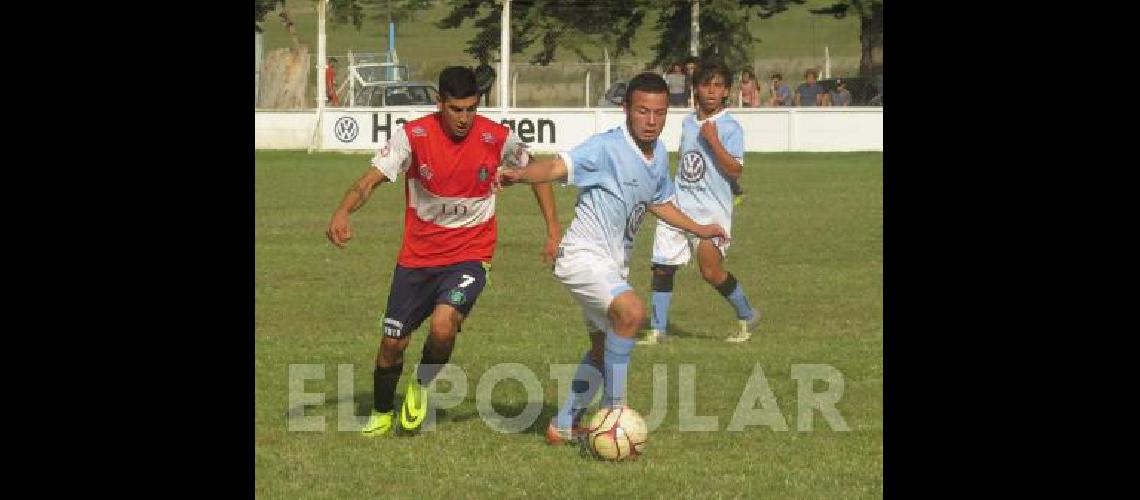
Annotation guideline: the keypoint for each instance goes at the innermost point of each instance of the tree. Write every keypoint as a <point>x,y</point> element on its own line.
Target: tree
<point>261,8</point>
<point>724,29</point>
<point>355,11</point>
<point>284,71</point>
<point>870,14</point>
<point>574,25</point>
<point>578,24</point>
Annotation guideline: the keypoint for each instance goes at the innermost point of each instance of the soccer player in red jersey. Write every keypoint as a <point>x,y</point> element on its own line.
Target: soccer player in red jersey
<point>450,160</point>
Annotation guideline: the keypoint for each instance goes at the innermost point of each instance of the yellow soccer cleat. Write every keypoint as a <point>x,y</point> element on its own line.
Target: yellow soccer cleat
<point>414,409</point>
<point>378,424</point>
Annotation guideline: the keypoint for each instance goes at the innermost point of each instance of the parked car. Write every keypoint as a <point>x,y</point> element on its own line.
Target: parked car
<point>613,96</point>
<point>382,84</point>
<point>864,91</point>
<point>396,94</point>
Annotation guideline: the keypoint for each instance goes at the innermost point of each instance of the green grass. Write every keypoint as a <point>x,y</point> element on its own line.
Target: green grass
<point>807,246</point>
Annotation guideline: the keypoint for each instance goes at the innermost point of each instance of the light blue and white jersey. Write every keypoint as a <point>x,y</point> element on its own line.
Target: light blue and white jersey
<point>615,184</point>
<point>703,192</point>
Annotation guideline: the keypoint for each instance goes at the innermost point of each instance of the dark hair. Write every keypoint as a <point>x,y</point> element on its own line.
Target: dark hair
<point>811,72</point>
<point>705,72</point>
<point>332,59</point>
<point>693,59</point>
<point>645,82</point>
<point>457,82</point>
<point>778,76</point>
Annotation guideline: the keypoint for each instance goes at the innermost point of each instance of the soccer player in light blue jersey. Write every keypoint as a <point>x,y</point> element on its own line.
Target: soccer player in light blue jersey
<point>711,155</point>
<point>620,174</point>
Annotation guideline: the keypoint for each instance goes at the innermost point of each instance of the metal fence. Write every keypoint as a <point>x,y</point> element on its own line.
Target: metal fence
<point>576,84</point>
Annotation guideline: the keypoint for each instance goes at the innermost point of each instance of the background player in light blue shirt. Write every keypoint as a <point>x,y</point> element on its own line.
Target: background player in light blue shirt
<point>620,174</point>
<point>712,154</point>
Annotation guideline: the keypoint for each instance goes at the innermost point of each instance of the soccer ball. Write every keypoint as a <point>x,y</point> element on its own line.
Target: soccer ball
<point>616,434</point>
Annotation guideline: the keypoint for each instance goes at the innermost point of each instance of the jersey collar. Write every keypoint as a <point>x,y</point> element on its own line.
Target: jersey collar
<point>633,145</point>
<point>713,117</point>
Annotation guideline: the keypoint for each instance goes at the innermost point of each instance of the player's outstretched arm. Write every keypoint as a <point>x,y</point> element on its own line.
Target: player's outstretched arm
<point>339,231</point>
<point>547,169</point>
<point>676,218</point>
<point>544,194</point>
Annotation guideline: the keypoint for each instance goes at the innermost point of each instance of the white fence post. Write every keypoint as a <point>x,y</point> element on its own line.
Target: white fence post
<point>826,62</point>
<point>587,89</point>
<point>791,129</point>
<point>607,54</point>
<point>257,70</point>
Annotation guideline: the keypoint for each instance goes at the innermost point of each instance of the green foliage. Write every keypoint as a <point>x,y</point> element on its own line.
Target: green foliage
<point>870,14</point>
<point>727,20</point>
<point>347,11</point>
<point>576,25</point>
<point>354,12</point>
<point>550,24</point>
<point>260,9</point>
<point>861,8</point>
<point>769,8</point>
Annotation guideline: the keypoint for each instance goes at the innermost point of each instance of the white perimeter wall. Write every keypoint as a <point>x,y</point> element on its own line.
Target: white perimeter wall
<point>559,129</point>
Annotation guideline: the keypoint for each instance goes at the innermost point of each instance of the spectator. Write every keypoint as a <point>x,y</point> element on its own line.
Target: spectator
<point>330,82</point>
<point>677,82</point>
<point>749,93</point>
<point>690,68</point>
<point>810,93</point>
<point>877,100</point>
<point>840,96</point>
<point>781,94</point>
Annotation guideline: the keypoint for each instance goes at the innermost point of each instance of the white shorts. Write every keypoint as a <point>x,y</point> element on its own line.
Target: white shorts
<point>674,247</point>
<point>593,279</point>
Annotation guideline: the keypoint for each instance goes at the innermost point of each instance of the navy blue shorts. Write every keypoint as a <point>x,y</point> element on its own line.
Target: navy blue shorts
<point>416,291</point>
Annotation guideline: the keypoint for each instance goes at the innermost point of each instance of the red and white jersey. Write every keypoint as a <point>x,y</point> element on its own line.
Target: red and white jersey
<point>450,215</point>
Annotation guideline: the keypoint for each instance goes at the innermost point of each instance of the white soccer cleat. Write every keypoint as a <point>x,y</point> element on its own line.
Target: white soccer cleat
<point>746,329</point>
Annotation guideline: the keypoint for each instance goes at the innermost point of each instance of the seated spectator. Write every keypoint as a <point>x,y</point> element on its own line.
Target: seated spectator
<point>749,93</point>
<point>840,96</point>
<point>781,95</point>
<point>810,93</point>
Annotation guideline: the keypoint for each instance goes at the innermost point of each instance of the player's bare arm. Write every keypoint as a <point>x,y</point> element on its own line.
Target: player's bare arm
<point>537,171</point>
<point>339,230</point>
<point>725,161</point>
<point>544,194</point>
<point>676,218</point>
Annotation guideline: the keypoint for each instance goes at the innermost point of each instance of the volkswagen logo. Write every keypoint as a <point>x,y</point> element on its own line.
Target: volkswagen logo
<point>634,222</point>
<point>346,129</point>
<point>692,168</point>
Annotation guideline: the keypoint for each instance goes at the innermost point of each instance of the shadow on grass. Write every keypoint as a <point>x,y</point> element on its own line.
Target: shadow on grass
<point>467,410</point>
<point>680,332</point>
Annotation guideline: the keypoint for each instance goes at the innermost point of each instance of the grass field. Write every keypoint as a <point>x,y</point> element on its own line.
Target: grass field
<point>807,246</point>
